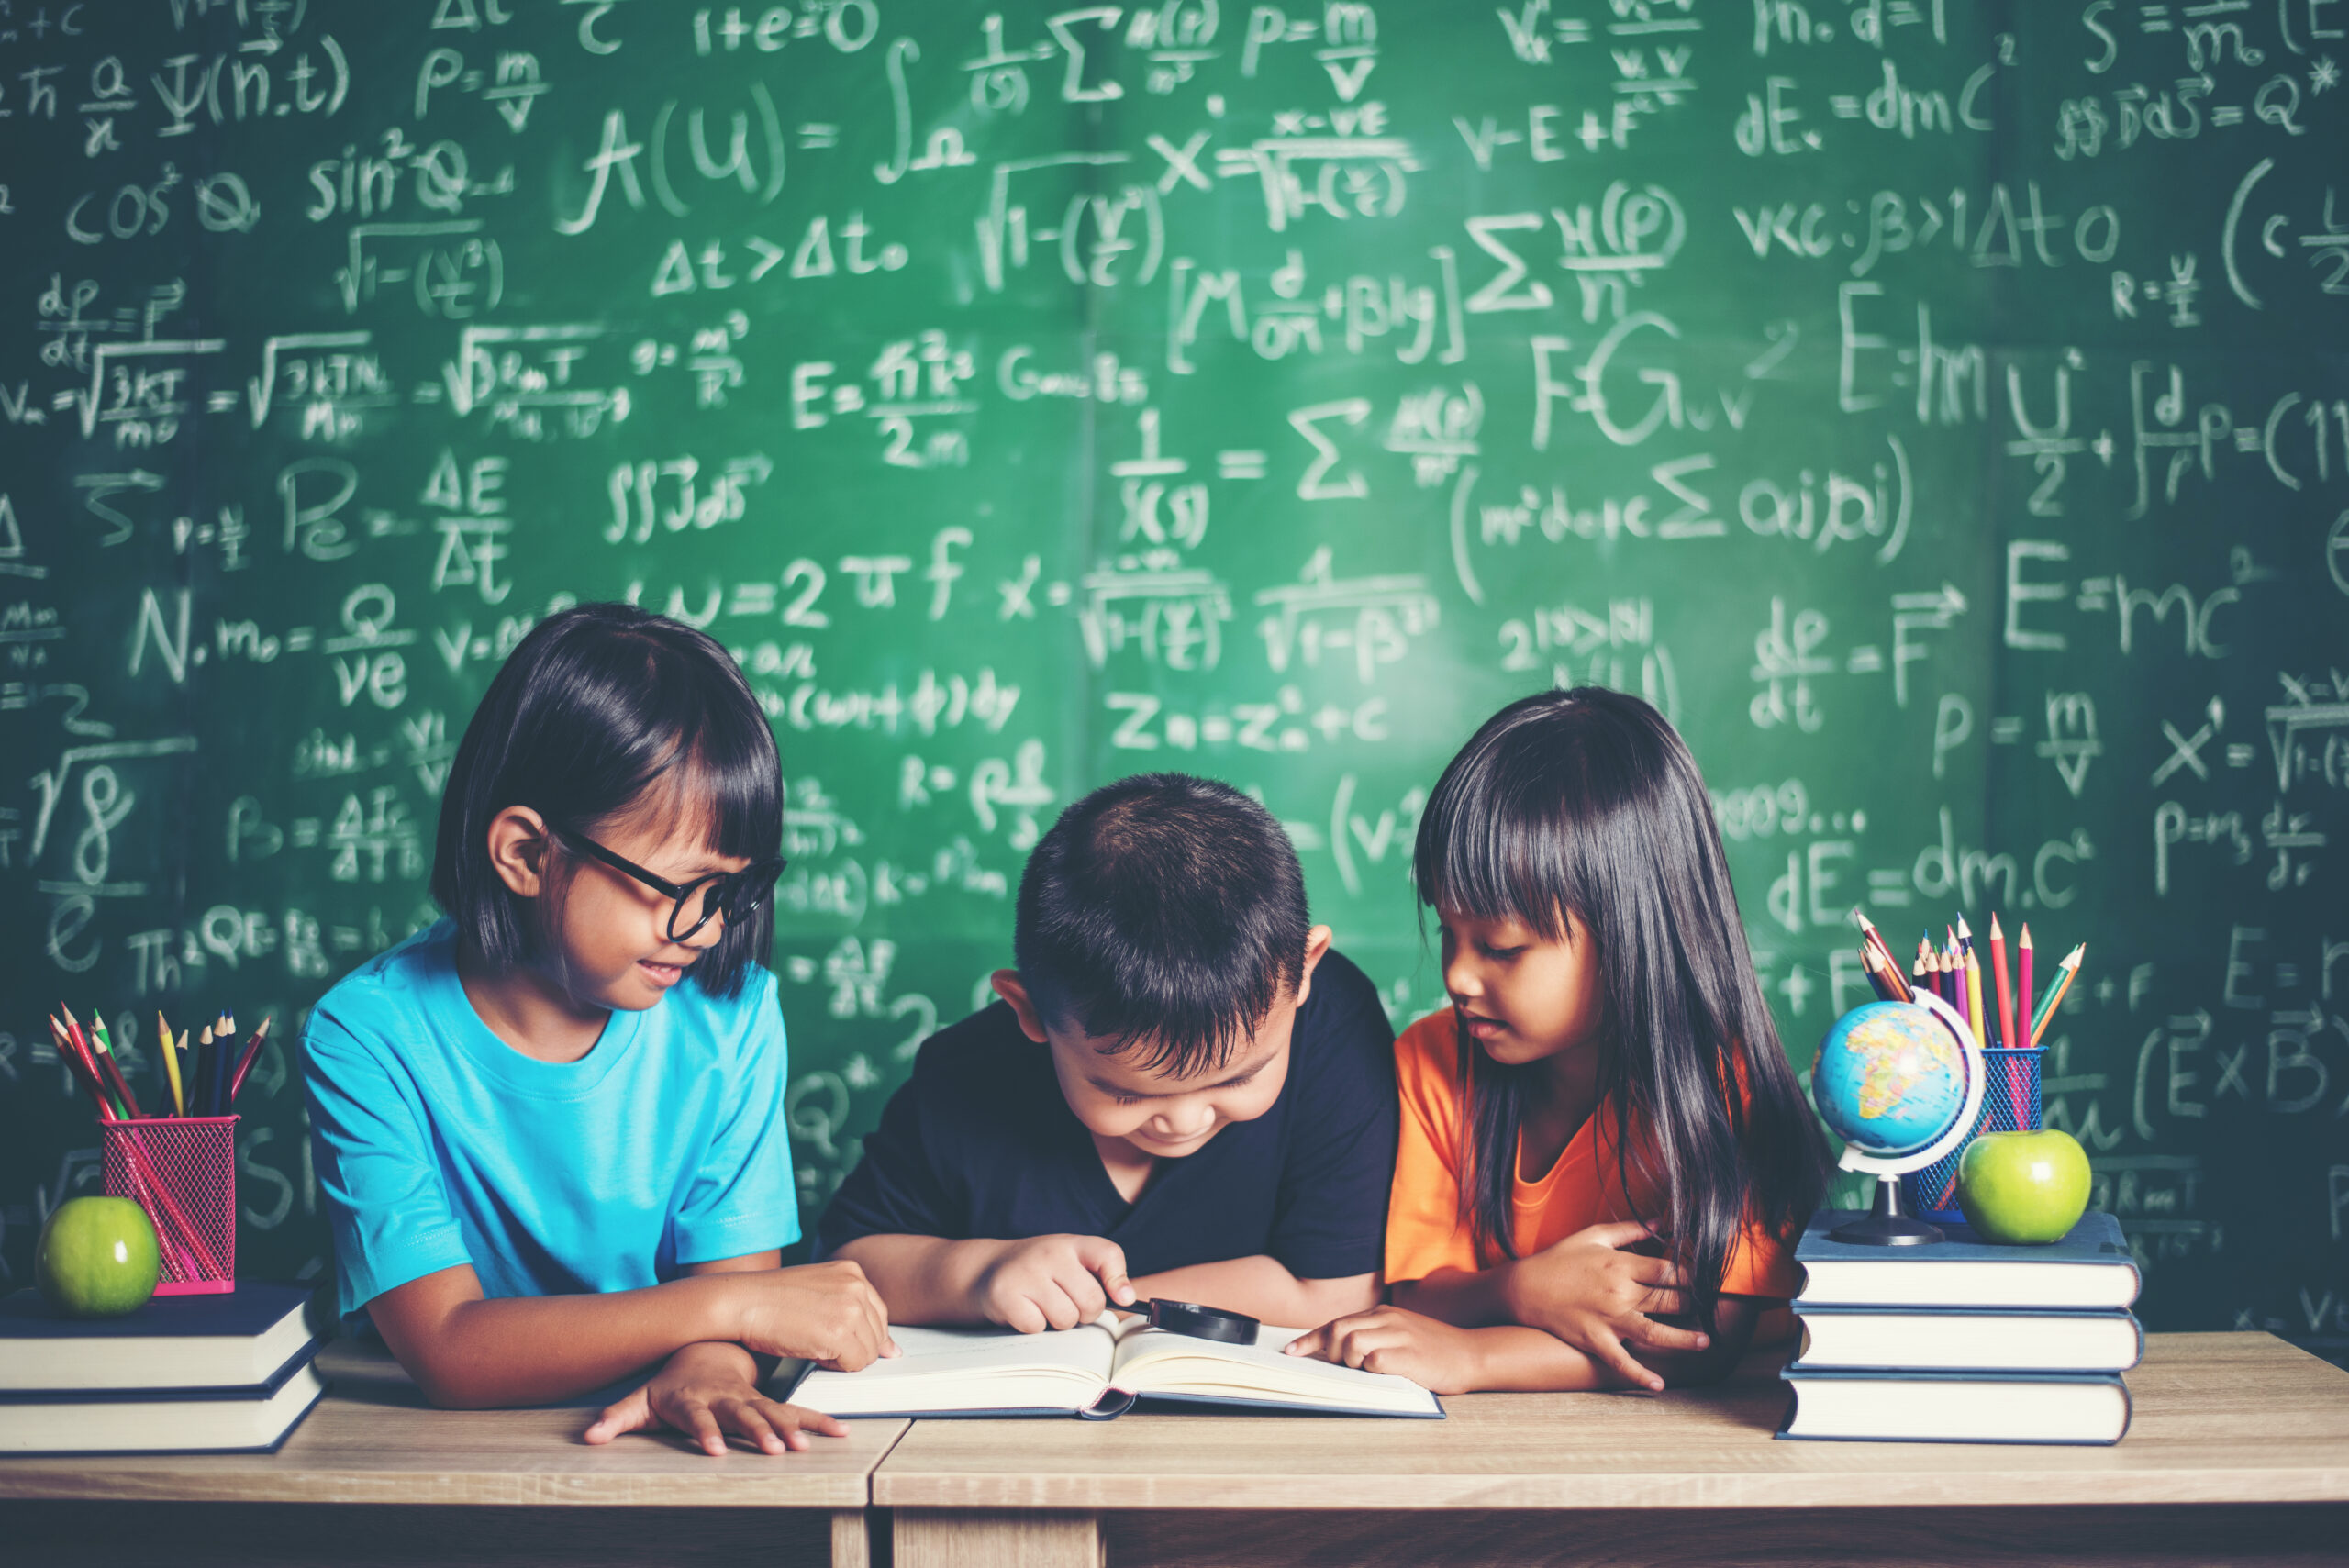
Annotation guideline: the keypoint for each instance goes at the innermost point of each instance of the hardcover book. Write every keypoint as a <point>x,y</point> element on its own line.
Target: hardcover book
<point>234,1341</point>
<point>1940,1338</point>
<point>2090,1268</point>
<point>1955,1407</point>
<point>166,1420</point>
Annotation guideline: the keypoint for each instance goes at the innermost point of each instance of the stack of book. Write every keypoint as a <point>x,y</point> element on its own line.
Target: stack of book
<point>1964,1340</point>
<point>183,1374</point>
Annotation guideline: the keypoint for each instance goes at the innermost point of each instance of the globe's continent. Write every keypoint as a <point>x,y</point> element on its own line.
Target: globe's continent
<point>1889,1078</point>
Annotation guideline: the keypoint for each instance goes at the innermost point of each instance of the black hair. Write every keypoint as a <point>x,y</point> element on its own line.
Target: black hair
<point>1166,912</point>
<point>599,705</point>
<point>1587,802</point>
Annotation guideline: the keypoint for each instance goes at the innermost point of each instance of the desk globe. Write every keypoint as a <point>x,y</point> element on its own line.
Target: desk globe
<point>1900,1082</point>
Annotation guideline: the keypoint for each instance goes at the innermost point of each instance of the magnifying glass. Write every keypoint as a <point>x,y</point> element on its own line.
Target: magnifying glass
<point>1199,1322</point>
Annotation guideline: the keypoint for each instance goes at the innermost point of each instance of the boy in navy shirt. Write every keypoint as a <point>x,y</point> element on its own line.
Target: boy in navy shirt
<point>1183,1092</point>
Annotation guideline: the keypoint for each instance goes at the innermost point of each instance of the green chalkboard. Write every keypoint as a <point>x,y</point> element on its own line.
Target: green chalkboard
<point>1939,410</point>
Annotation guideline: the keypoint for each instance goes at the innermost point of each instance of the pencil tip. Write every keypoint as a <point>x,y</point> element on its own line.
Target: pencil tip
<point>1996,935</point>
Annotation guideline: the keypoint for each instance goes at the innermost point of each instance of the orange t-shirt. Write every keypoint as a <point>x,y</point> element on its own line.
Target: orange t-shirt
<point>1425,1231</point>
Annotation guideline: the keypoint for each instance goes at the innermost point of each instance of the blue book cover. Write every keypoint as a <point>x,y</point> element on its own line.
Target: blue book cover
<point>2092,1267</point>
<point>254,1307</point>
<point>235,1340</point>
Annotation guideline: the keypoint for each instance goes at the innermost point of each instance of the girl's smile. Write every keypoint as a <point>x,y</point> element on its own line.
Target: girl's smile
<point>1482,1027</point>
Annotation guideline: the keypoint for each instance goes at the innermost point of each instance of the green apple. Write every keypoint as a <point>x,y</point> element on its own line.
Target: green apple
<point>97,1257</point>
<point>2023,1188</point>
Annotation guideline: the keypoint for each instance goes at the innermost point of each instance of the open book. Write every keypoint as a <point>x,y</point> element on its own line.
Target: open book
<point>1096,1371</point>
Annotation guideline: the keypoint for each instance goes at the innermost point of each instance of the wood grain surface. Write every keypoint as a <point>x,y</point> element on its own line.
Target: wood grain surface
<point>378,1443</point>
<point>2220,1419</point>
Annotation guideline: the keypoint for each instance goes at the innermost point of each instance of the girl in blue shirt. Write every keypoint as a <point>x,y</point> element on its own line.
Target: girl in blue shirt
<point>550,1126</point>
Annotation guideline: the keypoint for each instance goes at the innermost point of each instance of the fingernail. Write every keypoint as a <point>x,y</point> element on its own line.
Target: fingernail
<point>1703,1342</point>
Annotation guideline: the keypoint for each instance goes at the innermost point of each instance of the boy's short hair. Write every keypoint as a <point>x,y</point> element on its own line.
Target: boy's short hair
<point>604,710</point>
<point>1164,911</point>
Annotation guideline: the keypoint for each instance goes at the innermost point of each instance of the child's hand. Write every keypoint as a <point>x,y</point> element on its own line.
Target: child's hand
<point>1052,1282</point>
<point>1431,1353</point>
<point>828,1313</point>
<point>1598,1297</point>
<point>708,1393</point>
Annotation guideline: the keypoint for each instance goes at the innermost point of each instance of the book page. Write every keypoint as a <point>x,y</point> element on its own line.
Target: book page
<point>970,1369</point>
<point>1152,1361</point>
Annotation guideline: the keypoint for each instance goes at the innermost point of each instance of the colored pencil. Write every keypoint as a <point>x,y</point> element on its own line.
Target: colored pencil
<point>1975,1002</point>
<point>85,1072</point>
<point>208,1056</point>
<point>171,1066</point>
<point>1869,965</point>
<point>80,1071</point>
<point>102,1052</point>
<point>245,1062</point>
<point>225,1036</point>
<point>1871,937</point>
<point>2065,973</point>
<point>2023,998</point>
<point>1998,977</point>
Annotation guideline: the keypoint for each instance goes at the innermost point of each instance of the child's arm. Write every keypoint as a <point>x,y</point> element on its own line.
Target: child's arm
<point>1467,1298</point>
<point>1031,1285</point>
<point>1589,1290</point>
<point>710,1391</point>
<point>1262,1287</point>
<point>470,1353</point>
<point>1448,1359</point>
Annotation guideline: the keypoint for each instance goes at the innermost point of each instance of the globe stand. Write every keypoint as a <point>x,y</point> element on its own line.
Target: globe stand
<point>1886,1225</point>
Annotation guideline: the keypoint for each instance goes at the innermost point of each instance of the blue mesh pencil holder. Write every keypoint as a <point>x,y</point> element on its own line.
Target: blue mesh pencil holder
<point>2009,1103</point>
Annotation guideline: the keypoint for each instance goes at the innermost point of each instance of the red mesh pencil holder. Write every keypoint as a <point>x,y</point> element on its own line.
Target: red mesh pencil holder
<point>2009,1103</point>
<point>183,1171</point>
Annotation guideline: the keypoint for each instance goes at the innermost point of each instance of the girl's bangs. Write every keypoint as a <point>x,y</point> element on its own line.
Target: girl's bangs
<point>1492,854</point>
<point>711,767</point>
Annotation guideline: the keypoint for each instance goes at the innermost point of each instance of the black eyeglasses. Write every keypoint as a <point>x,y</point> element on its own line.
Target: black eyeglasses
<point>733,893</point>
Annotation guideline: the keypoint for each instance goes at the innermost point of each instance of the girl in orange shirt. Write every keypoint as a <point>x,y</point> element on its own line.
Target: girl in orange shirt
<point>1603,1148</point>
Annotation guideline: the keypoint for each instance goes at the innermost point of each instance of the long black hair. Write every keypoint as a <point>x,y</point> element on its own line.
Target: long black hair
<point>595,708</point>
<point>1587,802</point>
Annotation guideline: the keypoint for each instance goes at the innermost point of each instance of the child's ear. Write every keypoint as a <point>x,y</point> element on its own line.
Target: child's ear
<point>518,850</point>
<point>1009,986</point>
<point>1317,942</point>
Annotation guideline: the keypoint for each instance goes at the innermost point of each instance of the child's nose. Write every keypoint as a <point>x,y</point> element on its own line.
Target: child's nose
<point>1186,1121</point>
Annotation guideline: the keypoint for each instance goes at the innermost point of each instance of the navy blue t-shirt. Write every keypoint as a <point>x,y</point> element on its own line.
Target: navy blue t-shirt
<point>980,1143</point>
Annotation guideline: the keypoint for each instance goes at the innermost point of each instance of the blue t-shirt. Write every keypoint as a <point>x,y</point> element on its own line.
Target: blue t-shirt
<point>438,1144</point>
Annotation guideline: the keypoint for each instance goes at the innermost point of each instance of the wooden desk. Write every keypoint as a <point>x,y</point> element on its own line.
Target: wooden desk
<point>378,1480</point>
<point>2239,1452</point>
